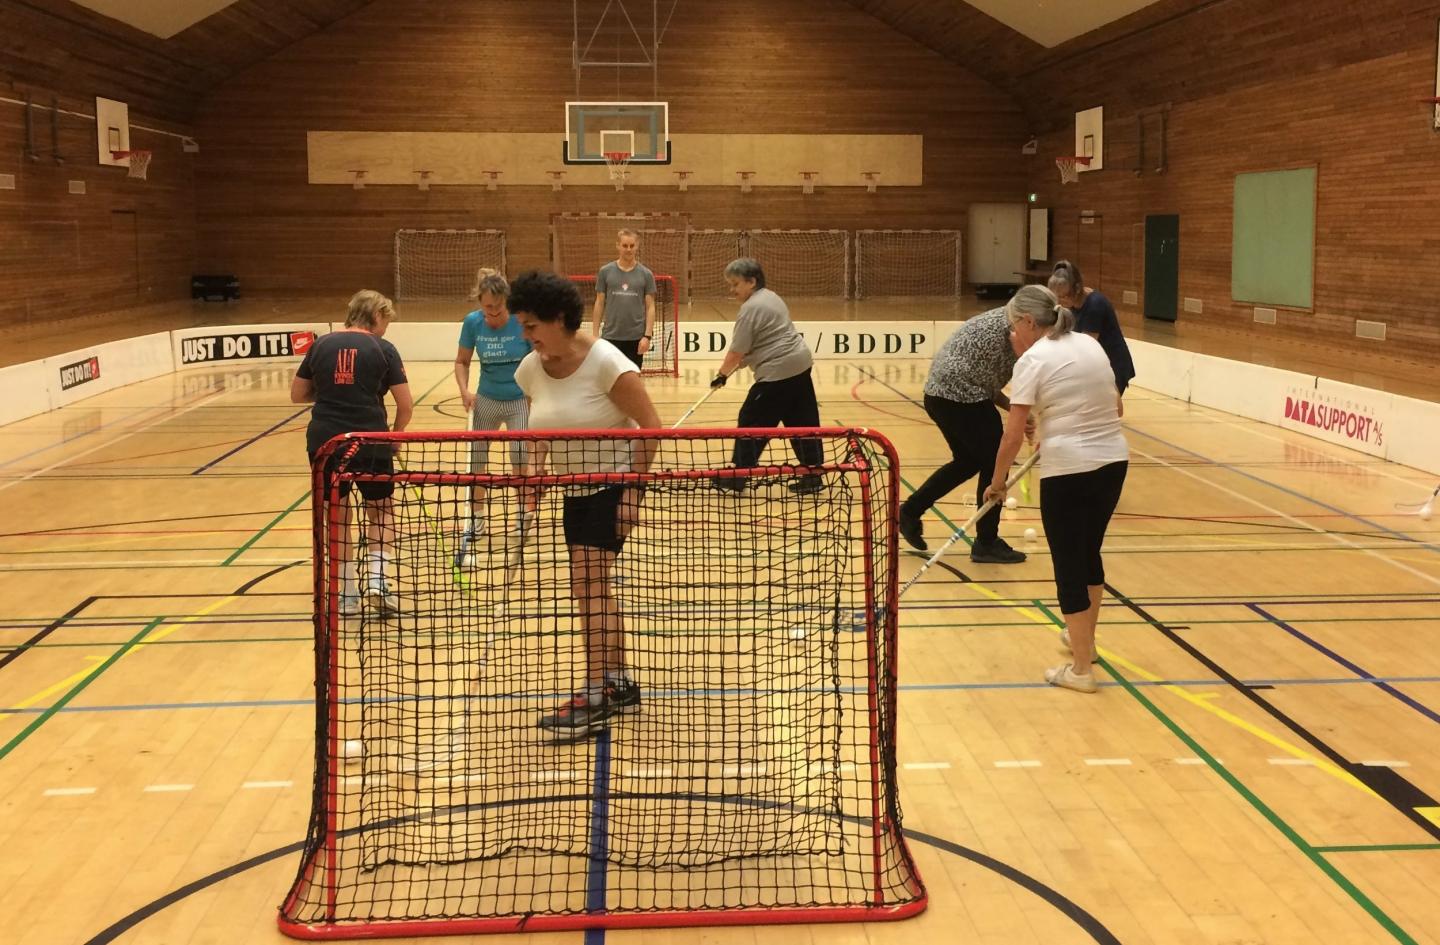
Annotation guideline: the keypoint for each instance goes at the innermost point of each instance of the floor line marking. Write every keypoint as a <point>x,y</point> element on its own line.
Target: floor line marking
<point>1107,762</point>
<point>254,439</point>
<point>1355,668</point>
<point>249,542</point>
<point>1334,536</point>
<point>266,785</point>
<point>50,690</point>
<point>111,442</point>
<point>1022,763</point>
<point>168,788</point>
<point>69,791</point>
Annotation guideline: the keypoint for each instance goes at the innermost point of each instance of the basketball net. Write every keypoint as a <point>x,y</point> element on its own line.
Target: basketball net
<point>619,164</point>
<point>139,162</point>
<point>1070,168</point>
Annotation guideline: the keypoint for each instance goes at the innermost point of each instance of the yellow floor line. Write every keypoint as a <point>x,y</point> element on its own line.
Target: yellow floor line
<point>1197,700</point>
<point>156,637</point>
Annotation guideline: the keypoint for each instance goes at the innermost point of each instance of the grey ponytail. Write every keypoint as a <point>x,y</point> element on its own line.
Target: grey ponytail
<point>1065,279</point>
<point>1041,306</point>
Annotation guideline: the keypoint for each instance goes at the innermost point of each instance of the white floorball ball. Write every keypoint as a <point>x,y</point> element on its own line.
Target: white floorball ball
<point>1031,534</point>
<point>1010,502</point>
<point>797,633</point>
<point>352,749</point>
<point>1426,512</point>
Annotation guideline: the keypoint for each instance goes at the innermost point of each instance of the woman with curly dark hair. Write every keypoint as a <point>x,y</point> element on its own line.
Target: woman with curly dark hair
<point>578,382</point>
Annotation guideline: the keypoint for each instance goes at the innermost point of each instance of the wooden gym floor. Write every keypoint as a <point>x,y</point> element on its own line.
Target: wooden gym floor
<point>1259,766</point>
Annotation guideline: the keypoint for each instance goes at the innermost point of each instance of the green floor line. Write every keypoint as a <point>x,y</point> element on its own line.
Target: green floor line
<point>250,542</point>
<point>1353,891</point>
<point>294,505</point>
<point>1378,848</point>
<point>78,688</point>
<point>1285,829</point>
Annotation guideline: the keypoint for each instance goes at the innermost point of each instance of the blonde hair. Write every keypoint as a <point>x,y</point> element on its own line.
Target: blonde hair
<point>624,232</point>
<point>490,280</point>
<point>1043,308</point>
<point>367,307</point>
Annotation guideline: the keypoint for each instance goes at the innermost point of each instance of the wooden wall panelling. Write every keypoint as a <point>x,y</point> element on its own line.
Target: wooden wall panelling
<point>72,255</point>
<point>1378,213</point>
<point>402,65</point>
<point>396,157</point>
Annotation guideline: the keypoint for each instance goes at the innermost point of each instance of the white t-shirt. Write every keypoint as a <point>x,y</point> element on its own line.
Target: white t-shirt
<point>580,402</point>
<point>1069,384</point>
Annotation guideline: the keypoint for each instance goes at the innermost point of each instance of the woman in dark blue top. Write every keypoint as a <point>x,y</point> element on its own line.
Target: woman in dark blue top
<point>1095,316</point>
<point>346,375</point>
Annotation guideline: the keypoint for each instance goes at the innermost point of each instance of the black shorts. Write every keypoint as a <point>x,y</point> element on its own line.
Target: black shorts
<point>375,458</point>
<point>593,521</point>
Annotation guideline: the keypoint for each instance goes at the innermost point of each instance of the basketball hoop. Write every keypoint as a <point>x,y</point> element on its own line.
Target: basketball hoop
<point>139,162</point>
<point>1070,168</point>
<point>619,164</point>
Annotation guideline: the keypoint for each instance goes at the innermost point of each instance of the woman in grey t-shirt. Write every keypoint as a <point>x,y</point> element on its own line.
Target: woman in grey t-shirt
<point>783,394</point>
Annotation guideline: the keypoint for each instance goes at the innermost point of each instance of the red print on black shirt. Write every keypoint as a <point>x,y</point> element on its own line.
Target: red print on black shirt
<point>345,366</point>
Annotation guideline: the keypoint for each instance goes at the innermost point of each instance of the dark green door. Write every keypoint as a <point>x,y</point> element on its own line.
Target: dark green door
<point>1162,267</point>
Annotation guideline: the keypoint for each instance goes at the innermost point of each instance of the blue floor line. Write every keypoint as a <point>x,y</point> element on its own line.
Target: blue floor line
<point>913,687</point>
<point>596,875</point>
<point>1383,685</point>
<point>254,439</point>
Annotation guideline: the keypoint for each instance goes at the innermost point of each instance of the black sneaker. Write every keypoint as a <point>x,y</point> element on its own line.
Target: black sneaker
<point>912,531</point>
<point>623,696</point>
<point>578,719</point>
<point>808,484</point>
<point>995,552</point>
<point>732,484</point>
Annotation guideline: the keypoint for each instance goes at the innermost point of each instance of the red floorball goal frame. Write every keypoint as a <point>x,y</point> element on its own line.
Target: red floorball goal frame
<point>754,779</point>
<point>663,358</point>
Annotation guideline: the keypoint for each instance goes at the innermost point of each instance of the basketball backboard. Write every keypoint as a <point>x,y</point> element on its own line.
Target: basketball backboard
<point>112,131</point>
<point>1090,138</point>
<point>594,129</point>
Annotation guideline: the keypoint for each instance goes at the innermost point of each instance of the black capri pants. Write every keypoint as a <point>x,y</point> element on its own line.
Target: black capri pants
<point>790,402</point>
<point>1076,511</point>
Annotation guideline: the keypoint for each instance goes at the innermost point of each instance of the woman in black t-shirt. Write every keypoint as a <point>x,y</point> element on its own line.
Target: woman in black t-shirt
<point>346,375</point>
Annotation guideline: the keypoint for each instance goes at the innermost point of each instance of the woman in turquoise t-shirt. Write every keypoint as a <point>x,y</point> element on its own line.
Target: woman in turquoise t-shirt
<point>492,333</point>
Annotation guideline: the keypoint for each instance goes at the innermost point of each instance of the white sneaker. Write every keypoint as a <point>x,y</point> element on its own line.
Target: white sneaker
<point>524,523</point>
<point>1065,677</point>
<point>1065,641</point>
<point>466,547</point>
<point>381,598</point>
<point>349,604</point>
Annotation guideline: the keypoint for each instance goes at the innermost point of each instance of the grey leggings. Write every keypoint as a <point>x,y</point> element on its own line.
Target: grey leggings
<point>491,414</point>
